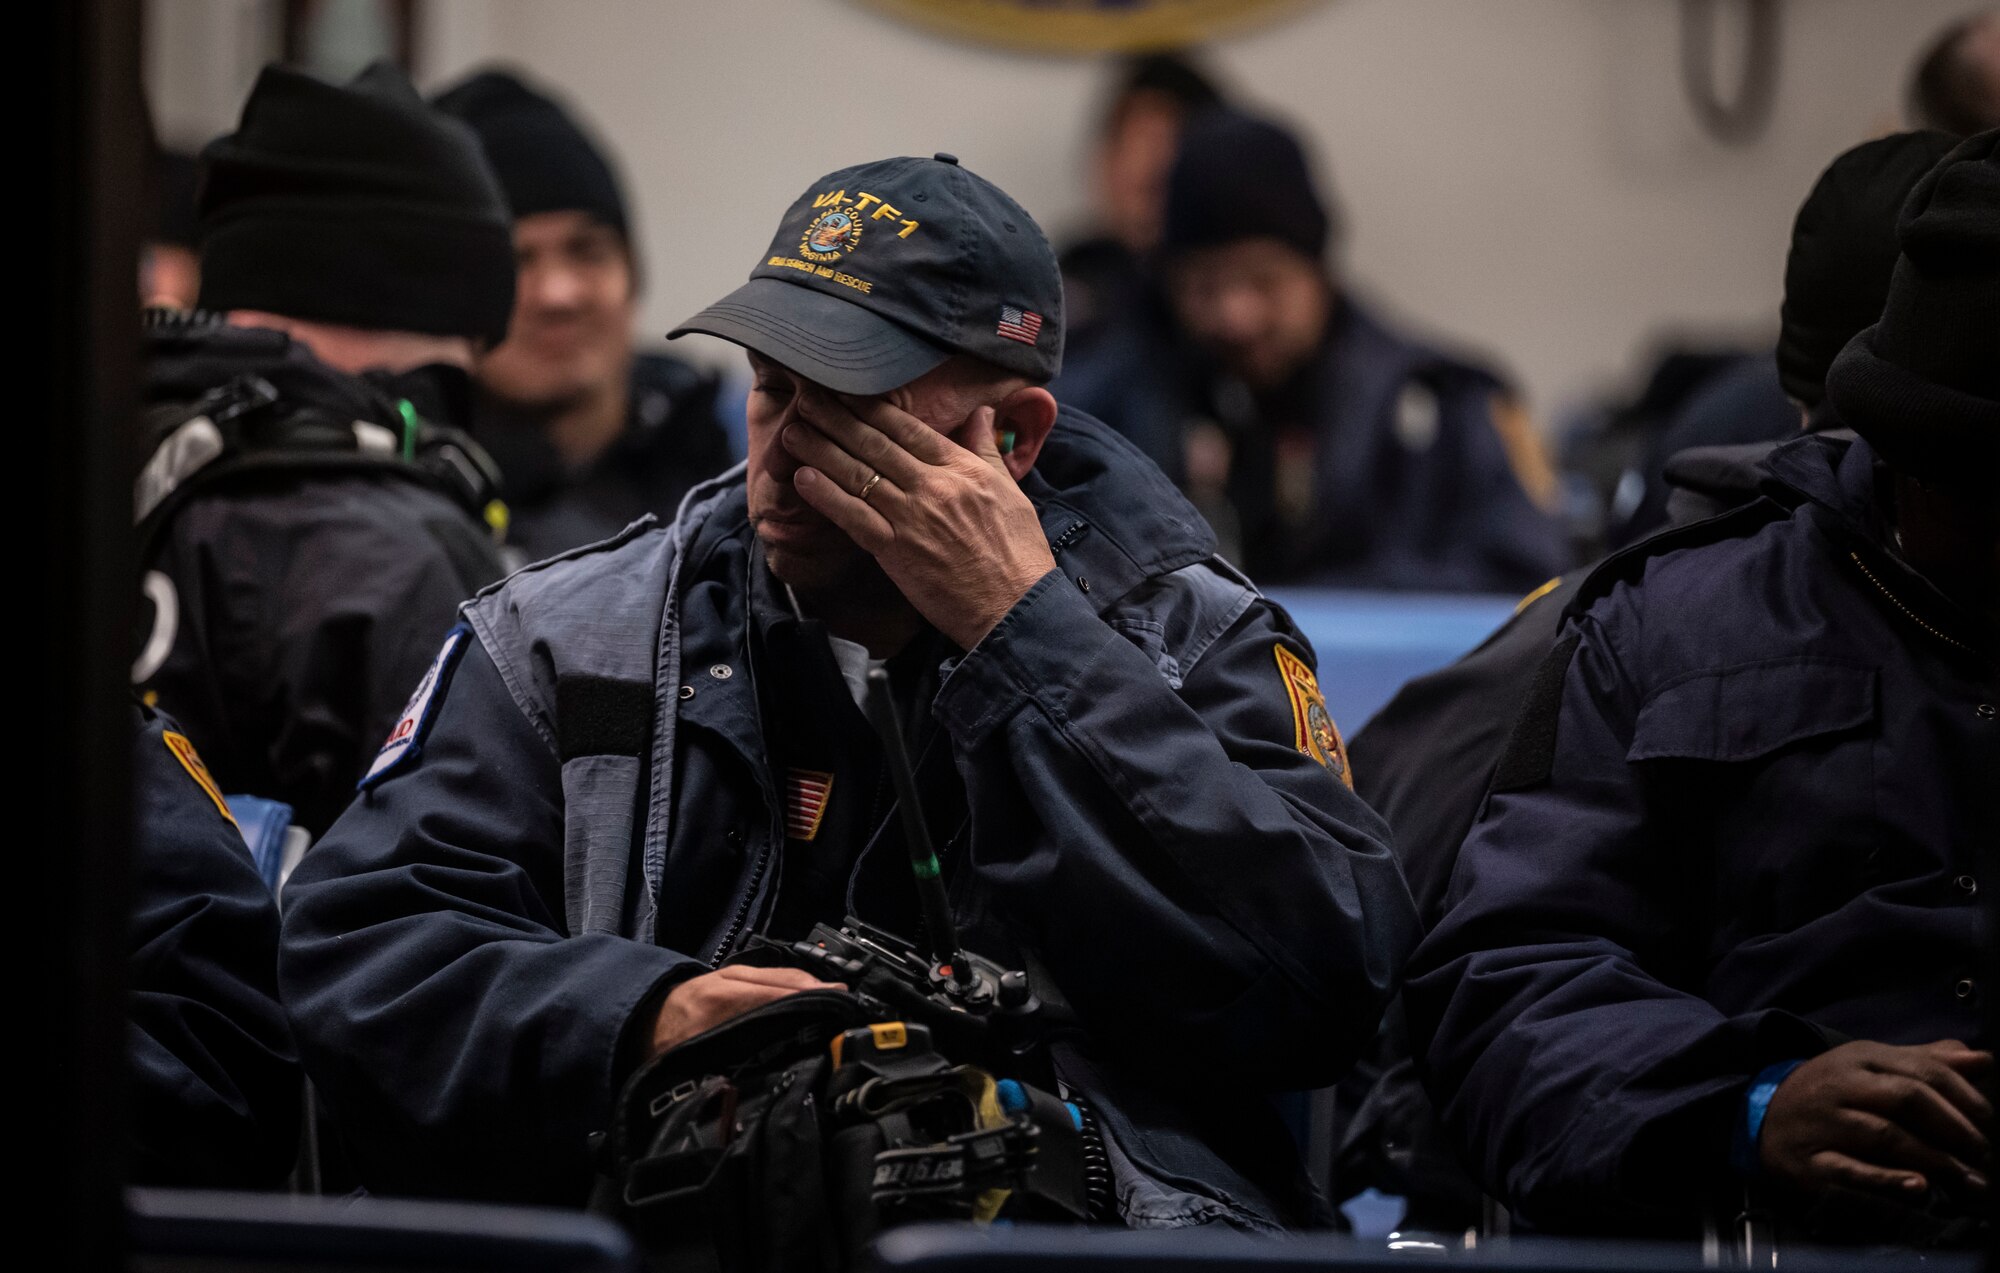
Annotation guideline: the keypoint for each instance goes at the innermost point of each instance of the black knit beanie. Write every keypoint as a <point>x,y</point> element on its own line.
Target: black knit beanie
<point>545,162</point>
<point>1843,252</point>
<point>1923,384</point>
<point>1238,177</point>
<point>355,204</point>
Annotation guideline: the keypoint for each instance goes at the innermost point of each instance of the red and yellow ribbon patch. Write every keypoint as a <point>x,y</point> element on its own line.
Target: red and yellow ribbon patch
<point>1314,732</point>
<point>806,794</point>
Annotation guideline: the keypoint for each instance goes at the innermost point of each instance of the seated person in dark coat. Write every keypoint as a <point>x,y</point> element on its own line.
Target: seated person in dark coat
<point>309,518</point>
<point>1123,746</point>
<point>215,1082</point>
<point>1716,925</point>
<point>1322,446</point>
<point>589,434</point>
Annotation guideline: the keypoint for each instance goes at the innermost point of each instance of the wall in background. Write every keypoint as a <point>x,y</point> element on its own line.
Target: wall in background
<point>1521,176</point>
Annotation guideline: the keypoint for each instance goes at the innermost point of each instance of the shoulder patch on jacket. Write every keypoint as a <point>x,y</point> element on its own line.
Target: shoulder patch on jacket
<point>1531,749</point>
<point>406,739</point>
<point>1314,732</point>
<point>190,760</point>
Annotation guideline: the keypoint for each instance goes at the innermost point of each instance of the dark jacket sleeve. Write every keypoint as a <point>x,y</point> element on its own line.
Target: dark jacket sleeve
<point>1211,899</point>
<point>1552,1005</point>
<point>216,1083</point>
<point>465,1043</point>
<point>312,613</point>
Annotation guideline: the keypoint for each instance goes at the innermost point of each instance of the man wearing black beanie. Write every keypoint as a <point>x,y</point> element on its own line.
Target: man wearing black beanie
<point>1322,446</point>
<point>1720,907</point>
<point>589,435</point>
<point>308,518</point>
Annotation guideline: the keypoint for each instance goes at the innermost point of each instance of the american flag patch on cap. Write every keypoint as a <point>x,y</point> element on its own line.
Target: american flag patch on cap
<point>806,792</point>
<point>1019,324</point>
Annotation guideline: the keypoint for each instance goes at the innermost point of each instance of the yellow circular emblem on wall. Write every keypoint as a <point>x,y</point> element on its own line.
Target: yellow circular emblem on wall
<point>1089,26</point>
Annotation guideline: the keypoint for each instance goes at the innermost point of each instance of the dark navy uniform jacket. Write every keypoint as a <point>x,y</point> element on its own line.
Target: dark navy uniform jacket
<point>1743,817</point>
<point>672,440</point>
<point>1411,484</point>
<point>216,1084</point>
<point>300,604</point>
<point>1143,813</point>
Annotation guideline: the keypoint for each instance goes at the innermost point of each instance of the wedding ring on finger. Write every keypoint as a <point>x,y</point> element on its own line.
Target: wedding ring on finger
<point>868,487</point>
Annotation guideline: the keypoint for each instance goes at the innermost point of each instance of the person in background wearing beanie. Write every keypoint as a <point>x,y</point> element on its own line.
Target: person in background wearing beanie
<point>1105,276</point>
<point>1718,926</point>
<point>1123,747</point>
<point>1425,761</point>
<point>1956,86</point>
<point>1322,446</point>
<point>308,520</point>
<point>589,435</point>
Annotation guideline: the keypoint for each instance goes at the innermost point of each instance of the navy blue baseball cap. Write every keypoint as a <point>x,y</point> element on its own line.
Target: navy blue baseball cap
<point>882,271</point>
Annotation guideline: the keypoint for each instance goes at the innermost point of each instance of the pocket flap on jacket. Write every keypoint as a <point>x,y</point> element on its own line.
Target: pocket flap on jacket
<point>1751,710</point>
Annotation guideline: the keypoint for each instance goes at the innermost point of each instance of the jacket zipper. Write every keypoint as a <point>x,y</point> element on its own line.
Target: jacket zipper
<point>749,900</point>
<point>1908,613</point>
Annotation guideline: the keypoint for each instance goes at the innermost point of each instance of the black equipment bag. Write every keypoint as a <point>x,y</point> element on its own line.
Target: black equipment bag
<point>785,1139</point>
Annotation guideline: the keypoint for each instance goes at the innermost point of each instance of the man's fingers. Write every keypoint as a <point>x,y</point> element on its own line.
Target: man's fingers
<point>835,418</point>
<point>790,978</point>
<point>1933,1067</point>
<point>1834,1168</point>
<point>899,426</point>
<point>814,449</point>
<point>1970,1062</point>
<point>1917,1107</point>
<point>864,525</point>
<point>1882,1143</point>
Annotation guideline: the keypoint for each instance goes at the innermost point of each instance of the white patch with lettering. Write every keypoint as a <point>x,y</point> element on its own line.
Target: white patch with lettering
<point>406,740</point>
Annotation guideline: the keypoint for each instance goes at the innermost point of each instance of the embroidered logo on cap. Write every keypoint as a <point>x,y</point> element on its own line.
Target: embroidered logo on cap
<point>1314,732</point>
<point>806,794</point>
<point>830,234</point>
<point>1023,325</point>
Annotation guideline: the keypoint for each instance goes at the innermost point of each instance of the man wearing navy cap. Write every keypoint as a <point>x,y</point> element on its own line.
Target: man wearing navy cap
<point>629,760</point>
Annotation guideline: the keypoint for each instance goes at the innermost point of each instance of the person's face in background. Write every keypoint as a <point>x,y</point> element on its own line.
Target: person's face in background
<point>1133,159</point>
<point>1258,306</point>
<point>169,276</point>
<point>574,300</point>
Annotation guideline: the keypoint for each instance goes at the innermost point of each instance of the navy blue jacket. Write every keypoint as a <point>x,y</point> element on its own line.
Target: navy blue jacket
<point>1411,488</point>
<point>1740,820</point>
<point>216,1084</point>
<point>1218,907</point>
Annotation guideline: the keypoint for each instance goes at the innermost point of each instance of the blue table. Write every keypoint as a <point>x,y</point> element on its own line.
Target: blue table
<point>1369,643</point>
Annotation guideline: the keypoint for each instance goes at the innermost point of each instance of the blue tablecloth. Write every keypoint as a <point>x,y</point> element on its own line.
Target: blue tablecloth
<point>1369,643</point>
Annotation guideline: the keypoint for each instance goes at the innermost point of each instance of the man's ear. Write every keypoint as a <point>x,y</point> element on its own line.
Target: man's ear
<point>1028,414</point>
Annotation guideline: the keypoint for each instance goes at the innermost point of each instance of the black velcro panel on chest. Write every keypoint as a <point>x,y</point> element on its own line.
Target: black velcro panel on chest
<point>1531,748</point>
<point>602,716</point>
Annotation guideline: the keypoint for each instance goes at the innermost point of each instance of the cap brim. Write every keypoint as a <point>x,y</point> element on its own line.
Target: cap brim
<point>821,337</point>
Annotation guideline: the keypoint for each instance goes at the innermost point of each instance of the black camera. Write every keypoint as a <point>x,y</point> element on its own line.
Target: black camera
<point>972,1006</point>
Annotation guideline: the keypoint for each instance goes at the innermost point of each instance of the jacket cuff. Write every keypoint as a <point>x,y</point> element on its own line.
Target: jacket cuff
<point>635,1035</point>
<point>1035,650</point>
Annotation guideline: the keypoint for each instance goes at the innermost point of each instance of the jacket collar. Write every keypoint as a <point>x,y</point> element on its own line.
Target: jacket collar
<point>1833,478</point>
